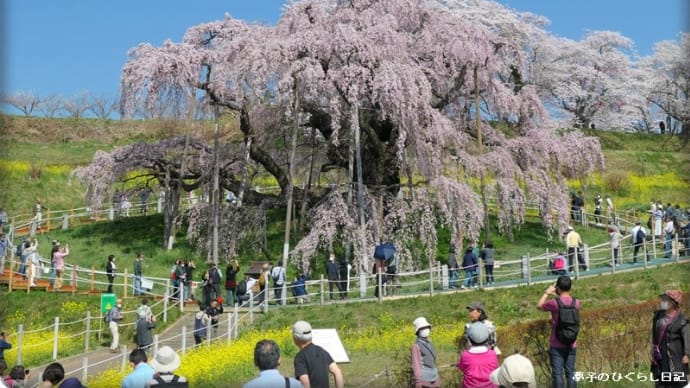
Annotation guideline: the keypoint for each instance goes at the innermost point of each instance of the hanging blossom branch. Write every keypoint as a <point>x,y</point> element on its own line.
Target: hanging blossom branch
<point>239,226</point>
<point>410,222</point>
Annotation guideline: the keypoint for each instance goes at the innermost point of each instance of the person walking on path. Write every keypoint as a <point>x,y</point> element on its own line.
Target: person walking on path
<point>201,322</point>
<point>59,257</point>
<point>487,255</point>
<point>278,276</point>
<point>453,268</point>
<point>670,342</point>
<point>423,356</point>
<point>573,242</point>
<point>616,238</point>
<point>231,282</point>
<point>561,356</point>
<point>469,265</point>
<point>110,272</point>
<point>4,251</point>
<point>638,236</point>
<point>669,232</point>
<point>214,311</point>
<point>144,337</point>
<point>344,271</point>
<point>267,359</point>
<point>312,363</point>
<point>610,210</point>
<point>333,274</point>
<point>114,317</point>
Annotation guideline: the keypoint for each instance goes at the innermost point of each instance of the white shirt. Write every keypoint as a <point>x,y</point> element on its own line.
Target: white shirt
<point>250,284</point>
<point>668,228</point>
<point>633,232</point>
<point>616,239</point>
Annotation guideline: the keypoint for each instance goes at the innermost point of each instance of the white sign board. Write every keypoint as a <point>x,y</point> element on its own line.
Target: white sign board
<point>329,340</point>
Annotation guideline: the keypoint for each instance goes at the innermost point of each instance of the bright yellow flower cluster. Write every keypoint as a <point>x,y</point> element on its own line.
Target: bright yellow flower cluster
<point>207,366</point>
<point>58,169</point>
<point>397,337</point>
<point>37,347</point>
<point>14,168</point>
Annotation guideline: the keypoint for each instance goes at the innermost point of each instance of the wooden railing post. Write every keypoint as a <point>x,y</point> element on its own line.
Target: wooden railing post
<point>124,280</point>
<point>93,278</point>
<point>165,306</point>
<point>322,289</point>
<point>74,279</point>
<point>11,272</point>
<point>87,331</point>
<point>183,339</point>
<point>20,341</point>
<point>85,369</point>
<point>235,314</point>
<point>56,335</point>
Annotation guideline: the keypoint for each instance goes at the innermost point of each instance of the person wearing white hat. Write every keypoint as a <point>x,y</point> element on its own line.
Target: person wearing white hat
<point>477,362</point>
<point>516,371</point>
<point>424,367</point>
<point>165,362</point>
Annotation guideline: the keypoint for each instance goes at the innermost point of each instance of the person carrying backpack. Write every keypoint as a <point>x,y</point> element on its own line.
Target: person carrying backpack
<point>278,276</point>
<point>639,235</point>
<point>565,326</point>
<point>165,362</point>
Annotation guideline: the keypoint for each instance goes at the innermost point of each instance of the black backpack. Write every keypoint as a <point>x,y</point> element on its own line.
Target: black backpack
<point>242,287</point>
<point>639,236</point>
<point>568,325</point>
<point>173,383</point>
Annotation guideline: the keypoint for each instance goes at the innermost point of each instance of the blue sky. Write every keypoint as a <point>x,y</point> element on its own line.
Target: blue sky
<point>65,47</point>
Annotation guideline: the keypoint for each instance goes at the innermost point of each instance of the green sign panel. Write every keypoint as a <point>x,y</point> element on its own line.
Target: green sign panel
<point>107,302</point>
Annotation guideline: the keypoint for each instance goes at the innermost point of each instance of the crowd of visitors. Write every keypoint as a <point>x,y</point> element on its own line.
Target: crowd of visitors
<point>313,366</point>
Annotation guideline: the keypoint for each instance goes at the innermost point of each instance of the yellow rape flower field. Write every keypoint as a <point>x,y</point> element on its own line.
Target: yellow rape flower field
<point>222,364</point>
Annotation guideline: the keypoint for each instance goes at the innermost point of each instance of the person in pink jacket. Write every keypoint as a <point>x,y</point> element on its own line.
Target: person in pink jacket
<point>477,362</point>
<point>59,258</point>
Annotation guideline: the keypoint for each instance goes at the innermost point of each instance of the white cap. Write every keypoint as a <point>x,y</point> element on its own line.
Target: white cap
<point>515,369</point>
<point>420,323</point>
<point>302,330</point>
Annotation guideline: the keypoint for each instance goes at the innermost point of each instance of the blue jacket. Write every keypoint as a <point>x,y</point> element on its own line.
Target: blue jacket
<point>469,261</point>
<point>300,285</point>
